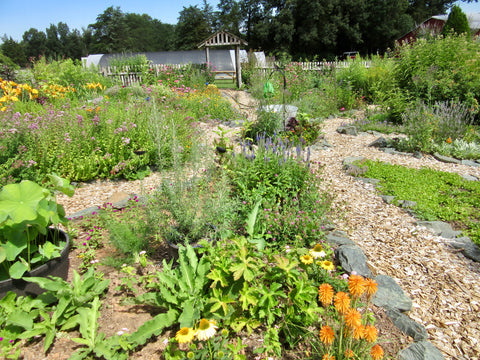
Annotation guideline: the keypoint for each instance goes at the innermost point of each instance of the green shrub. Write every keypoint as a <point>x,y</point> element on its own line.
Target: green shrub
<point>86,140</point>
<point>277,173</point>
<point>194,208</point>
<point>67,73</point>
<point>441,69</point>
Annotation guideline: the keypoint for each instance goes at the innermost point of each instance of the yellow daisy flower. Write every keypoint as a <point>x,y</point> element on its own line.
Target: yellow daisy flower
<point>184,335</point>
<point>317,252</point>
<point>306,259</point>
<point>327,265</point>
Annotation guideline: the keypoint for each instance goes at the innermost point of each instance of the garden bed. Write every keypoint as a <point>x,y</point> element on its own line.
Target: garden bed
<point>438,279</point>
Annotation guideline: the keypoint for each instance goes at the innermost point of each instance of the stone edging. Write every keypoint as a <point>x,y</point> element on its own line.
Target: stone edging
<point>389,296</point>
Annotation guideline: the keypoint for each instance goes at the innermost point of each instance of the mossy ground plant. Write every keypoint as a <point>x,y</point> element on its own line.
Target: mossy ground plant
<point>439,195</point>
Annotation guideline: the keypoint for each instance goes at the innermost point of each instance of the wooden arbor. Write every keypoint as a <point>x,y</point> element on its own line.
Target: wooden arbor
<point>223,38</point>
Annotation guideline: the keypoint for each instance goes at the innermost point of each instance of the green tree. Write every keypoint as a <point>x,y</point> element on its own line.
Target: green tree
<point>192,28</point>
<point>13,50</point>
<point>252,13</point>
<point>385,22</point>
<point>165,36</point>
<point>55,48</point>
<point>35,43</point>
<point>110,33</point>
<point>457,22</point>
<point>328,27</point>
<point>229,17</point>
<point>141,33</point>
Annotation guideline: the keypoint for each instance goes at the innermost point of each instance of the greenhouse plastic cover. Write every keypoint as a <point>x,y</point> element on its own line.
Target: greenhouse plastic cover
<point>221,59</point>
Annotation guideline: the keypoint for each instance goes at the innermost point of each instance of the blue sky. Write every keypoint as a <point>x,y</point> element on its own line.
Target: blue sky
<point>16,17</point>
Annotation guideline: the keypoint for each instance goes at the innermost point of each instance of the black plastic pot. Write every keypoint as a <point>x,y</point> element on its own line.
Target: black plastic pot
<point>57,267</point>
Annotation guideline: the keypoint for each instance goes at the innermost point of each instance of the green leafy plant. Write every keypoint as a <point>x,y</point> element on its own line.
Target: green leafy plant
<point>180,289</point>
<point>200,207</point>
<point>94,341</point>
<point>440,69</point>
<point>57,309</point>
<point>223,145</point>
<point>427,126</point>
<point>27,210</point>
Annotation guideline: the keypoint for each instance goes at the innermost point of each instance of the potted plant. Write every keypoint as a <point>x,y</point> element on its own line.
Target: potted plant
<point>31,244</point>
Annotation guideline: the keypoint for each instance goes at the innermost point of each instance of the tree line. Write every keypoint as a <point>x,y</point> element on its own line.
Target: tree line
<point>302,29</point>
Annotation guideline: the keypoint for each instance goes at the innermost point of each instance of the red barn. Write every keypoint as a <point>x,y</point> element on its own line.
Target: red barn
<point>434,26</point>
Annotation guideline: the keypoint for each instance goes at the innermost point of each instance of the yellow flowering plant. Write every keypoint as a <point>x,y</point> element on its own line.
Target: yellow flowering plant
<point>11,92</point>
<point>204,342</point>
<point>318,263</point>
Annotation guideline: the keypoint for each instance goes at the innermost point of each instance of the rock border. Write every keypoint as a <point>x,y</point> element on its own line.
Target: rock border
<point>389,296</point>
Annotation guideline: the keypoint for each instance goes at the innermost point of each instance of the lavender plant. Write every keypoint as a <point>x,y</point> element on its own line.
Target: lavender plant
<point>429,125</point>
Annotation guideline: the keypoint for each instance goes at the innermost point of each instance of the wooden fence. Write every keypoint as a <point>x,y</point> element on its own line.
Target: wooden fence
<point>128,75</point>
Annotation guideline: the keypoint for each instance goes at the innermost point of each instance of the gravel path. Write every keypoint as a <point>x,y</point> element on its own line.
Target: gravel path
<point>442,283</point>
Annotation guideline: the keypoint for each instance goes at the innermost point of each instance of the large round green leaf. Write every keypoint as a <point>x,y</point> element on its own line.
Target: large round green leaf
<point>20,201</point>
<point>3,254</point>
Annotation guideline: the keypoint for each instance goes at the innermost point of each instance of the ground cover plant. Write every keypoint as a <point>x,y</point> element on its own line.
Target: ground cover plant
<point>438,195</point>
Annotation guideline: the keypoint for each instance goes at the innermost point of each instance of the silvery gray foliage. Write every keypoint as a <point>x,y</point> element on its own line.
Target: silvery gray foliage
<point>446,119</point>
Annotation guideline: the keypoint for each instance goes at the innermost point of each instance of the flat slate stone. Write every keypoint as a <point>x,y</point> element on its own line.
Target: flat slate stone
<point>440,228</point>
<point>338,239</point>
<point>84,213</point>
<point>351,160</point>
<point>446,159</point>
<point>469,248</point>
<point>347,130</point>
<point>390,295</point>
<point>352,258</point>
<point>408,326</point>
<point>369,180</point>
<point>407,204</point>
<point>417,155</point>
<point>469,178</point>
<point>422,350</point>
<point>388,198</point>
<point>470,163</point>
<point>389,150</point>
<point>381,142</point>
